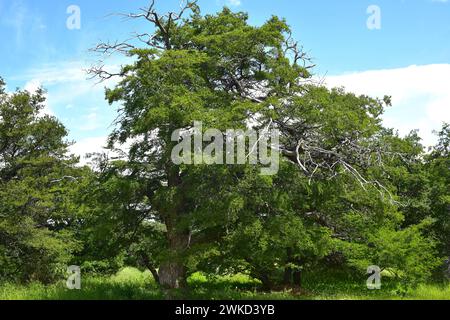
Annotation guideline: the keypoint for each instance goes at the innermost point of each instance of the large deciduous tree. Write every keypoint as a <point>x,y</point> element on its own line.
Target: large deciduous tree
<point>199,69</point>
<point>221,70</point>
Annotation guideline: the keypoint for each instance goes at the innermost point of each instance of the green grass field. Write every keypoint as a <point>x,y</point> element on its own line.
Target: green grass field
<point>131,284</point>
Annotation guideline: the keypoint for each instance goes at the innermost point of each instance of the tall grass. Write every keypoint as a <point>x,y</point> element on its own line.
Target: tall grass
<point>128,284</point>
<point>430,292</point>
<point>132,284</point>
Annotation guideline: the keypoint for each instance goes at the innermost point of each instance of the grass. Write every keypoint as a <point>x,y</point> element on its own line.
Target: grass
<point>132,284</point>
<point>128,284</point>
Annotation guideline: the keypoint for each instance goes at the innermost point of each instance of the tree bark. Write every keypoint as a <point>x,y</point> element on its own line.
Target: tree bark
<point>298,279</point>
<point>267,284</point>
<point>172,275</point>
<point>172,272</point>
<point>150,266</point>
<point>155,275</point>
<point>287,278</point>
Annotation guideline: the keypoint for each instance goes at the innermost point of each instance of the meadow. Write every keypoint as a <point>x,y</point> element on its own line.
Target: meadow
<point>132,284</point>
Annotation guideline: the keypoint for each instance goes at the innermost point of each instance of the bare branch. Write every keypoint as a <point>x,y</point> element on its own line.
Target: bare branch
<point>64,178</point>
<point>101,73</point>
<point>159,40</point>
<point>292,47</point>
<point>108,48</point>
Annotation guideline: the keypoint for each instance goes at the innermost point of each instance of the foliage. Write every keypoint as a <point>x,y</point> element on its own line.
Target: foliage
<point>38,183</point>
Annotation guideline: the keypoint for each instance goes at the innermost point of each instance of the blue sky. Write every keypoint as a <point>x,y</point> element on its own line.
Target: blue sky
<point>408,57</point>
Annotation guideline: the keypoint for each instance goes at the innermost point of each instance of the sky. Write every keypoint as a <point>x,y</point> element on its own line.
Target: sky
<point>378,47</point>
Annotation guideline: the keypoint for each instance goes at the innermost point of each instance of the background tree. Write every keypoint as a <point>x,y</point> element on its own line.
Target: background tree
<point>118,227</point>
<point>438,164</point>
<point>37,190</point>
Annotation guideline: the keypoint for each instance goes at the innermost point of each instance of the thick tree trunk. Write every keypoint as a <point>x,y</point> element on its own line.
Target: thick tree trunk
<point>172,272</point>
<point>172,275</point>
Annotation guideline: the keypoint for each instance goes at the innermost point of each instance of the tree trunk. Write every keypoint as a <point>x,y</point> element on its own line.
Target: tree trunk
<point>172,272</point>
<point>172,275</point>
<point>447,268</point>
<point>155,275</point>
<point>287,278</point>
<point>267,284</point>
<point>298,279</point>
<point>150,266</point>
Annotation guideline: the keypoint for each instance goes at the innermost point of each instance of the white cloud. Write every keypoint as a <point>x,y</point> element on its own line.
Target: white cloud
<point>71,95</point>
<point>420,95</point>
<point>93,145</point>
<point>32,86</point>
<point>234,3</point>
<point>68,80</point>
<point>88,146</point>
<point>70,73</point>
<point>58,73</point>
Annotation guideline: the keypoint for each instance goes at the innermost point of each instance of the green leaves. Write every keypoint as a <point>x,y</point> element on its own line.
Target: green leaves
<point>342,182</point>
<point>37,184</point>
<point>406,253</point>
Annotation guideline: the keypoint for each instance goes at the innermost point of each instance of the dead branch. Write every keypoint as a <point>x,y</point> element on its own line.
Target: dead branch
<point>292,47</point>
<point>161,39</point>
<point>99,72</point>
